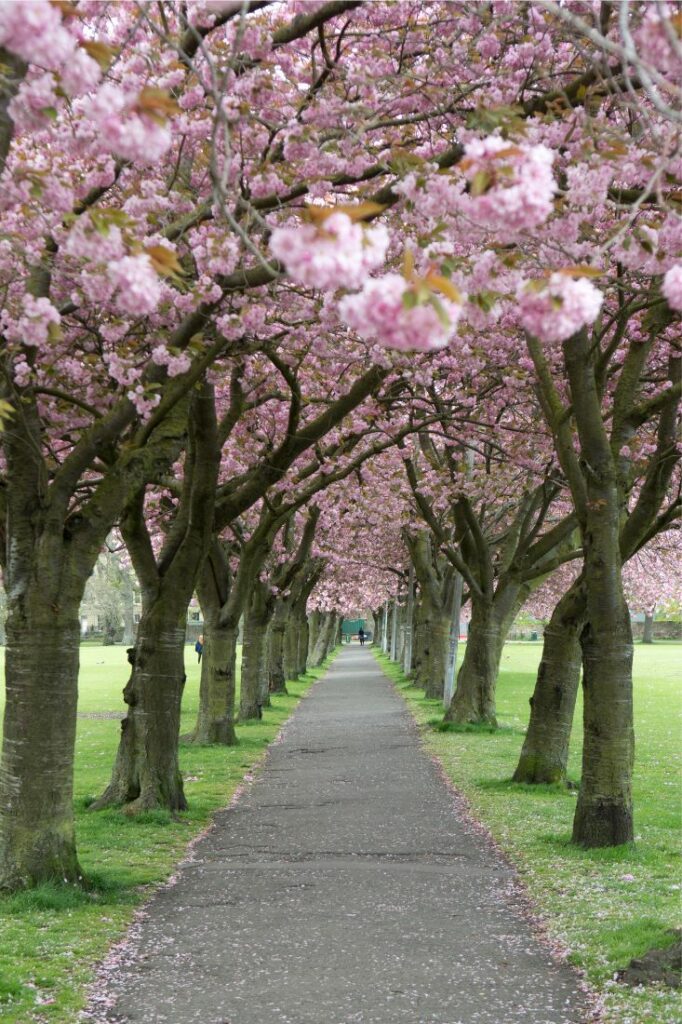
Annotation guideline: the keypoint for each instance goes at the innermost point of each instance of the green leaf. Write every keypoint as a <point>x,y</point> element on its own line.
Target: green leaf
<point>440,312</point>
<point>480,183</point>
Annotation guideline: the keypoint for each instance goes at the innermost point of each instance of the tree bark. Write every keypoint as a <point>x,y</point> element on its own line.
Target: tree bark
<point>544,756</point>
<point>491,617</point>
<point>314,621</point>
<point>648,635</point>
<point>253,654</point>
<point>146,773</point>
<point>432,613</point>
<point>325,639</point>
<point>434,650</point>
<point>37,840</point>
<point>291,662</point>
<point>303,640</point>
<point>275,643</point>
<point>217,689</point>
<point>603,815</point>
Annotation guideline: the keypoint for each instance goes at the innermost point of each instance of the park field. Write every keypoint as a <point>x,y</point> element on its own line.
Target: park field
<point>604,906</point>
<point>50,938</point>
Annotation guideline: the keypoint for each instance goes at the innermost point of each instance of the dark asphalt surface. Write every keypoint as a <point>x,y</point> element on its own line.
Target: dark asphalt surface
<point>342,888</point>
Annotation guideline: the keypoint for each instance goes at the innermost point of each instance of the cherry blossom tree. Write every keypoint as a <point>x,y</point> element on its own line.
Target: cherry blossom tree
<point>485,185</point>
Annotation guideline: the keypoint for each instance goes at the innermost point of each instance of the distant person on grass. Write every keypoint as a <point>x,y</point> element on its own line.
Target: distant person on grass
<point>199,647</point>
<point>361,636</point>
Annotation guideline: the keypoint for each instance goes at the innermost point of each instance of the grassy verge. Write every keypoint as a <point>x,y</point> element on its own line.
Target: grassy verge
<point>51,937</point>
<point>607,906</point>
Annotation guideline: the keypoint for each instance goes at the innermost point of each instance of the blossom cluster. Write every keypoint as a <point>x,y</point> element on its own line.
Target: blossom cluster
<point>338,253</point>
<point>383,311</point>
<point>137,286</point>
<point>124,130</point>
<point>556,309</point>
<point>33,326</point>
<point>35,32</point>
<point>511,188</point>
<point>672,287</point>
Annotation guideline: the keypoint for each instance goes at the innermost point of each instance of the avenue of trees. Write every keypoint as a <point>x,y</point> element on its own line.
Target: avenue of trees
<point>319,304</point>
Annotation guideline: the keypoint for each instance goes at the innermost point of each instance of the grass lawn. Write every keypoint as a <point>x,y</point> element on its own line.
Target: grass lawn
<point>607,906</point>
<point>51,937</point>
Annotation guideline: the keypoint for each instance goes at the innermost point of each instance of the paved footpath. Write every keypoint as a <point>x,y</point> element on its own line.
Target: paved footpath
<point>342,887</point>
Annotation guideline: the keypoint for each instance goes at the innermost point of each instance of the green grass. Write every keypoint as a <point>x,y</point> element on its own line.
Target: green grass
<point>608,905</point>
<point>51,937</point>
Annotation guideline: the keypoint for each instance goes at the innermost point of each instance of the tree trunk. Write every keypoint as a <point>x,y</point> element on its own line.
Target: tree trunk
<point>303,641</point>
<point>217,689</point>
<point>324,639</point>
<point>146,774</point>
<point>221,604</point>
<point>434,636</point>
<point>314,622</point>
<point>253,655</point>
<point>474,698</point>
<point>419,653</point>
<point>37,841</point>
<point>603,815</point>
<point>544,757</point>
<point>275,643</point>
<point>291,665</point>
<point>333,635</point>
<point>648,635</point>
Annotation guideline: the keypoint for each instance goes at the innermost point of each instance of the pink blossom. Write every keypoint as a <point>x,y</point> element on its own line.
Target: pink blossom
<point>379,312</point>
<point>175,365</point>
<point>35,97</point>
<point>672,287</point>
<point>336,254</point>
<point>515,183</point>
<point>123,131</point>
<point>138,288</point>
<point>81,74</point>
<point>559,308</point>
<point>22,372</point>
<point>86,242</point>
<point>33,327</point>
<point>656,37</point>
<point>33,29</point>
<point>144,403</point>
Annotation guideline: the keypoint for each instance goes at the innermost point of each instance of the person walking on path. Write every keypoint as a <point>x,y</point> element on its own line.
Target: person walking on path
<point>199,647</point>
<point>361,636</point>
